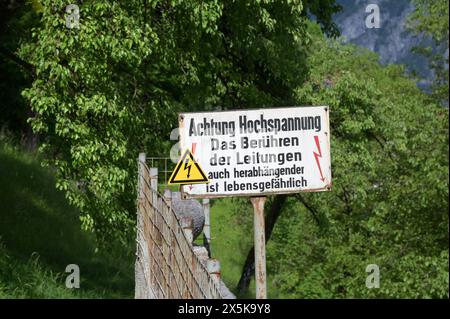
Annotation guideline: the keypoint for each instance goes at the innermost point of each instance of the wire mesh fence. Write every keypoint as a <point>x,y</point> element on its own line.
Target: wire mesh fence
<point>164,164</point>
<point>166,265</point>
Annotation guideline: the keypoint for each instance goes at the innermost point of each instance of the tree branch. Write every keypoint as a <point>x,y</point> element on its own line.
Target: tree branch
<point>309,208</point>
<point>24,64</point>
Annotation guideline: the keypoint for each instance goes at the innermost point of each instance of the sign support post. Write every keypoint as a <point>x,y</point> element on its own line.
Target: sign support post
<point>260,246</point>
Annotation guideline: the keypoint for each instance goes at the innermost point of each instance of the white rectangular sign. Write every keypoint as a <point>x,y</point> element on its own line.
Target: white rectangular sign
<point>258,152</point>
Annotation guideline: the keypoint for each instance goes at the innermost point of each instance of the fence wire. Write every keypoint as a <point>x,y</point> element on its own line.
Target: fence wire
<point>166,265</point>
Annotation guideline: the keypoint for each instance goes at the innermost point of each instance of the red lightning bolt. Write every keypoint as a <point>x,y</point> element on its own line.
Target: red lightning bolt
<point>317,155</point>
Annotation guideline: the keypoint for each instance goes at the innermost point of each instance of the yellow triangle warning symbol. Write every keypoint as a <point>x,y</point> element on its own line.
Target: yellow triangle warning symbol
<point>188,171</point>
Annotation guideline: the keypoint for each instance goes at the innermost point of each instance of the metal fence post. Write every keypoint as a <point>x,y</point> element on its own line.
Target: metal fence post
<point>207,226</point>
<point>260,247</point>
<point>141,167</point>
<point>154,185</point>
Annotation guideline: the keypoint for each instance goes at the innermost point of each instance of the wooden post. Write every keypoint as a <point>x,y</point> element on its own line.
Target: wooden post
<point>260,247</point>
<point>207,226</point>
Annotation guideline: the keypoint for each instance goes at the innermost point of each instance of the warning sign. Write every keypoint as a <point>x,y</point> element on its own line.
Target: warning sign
<point>187,171</point>
<point>258,152</point>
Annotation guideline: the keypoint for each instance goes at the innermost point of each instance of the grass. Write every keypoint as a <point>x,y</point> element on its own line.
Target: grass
<point>232,238</point>
<point>40,235</point>
<point>231,241</point>
<point>226,242</point>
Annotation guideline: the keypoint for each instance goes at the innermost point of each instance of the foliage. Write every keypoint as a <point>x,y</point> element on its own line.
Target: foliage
<point>389,202</point>
<point>110,89</point>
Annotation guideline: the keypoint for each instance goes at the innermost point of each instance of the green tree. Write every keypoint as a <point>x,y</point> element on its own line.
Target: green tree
<point>111,88</point>
<point>389,201</point>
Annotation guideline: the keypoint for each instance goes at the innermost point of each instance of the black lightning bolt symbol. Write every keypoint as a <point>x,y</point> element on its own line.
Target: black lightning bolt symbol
<point>187,167</point>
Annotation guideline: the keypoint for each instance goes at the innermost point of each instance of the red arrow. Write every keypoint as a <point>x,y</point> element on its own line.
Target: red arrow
<point>317,155</point>
<point>193,151</point>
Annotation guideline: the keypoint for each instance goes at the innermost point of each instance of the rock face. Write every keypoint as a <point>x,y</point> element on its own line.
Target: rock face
<point>391,41</point>
<point>189,207</point>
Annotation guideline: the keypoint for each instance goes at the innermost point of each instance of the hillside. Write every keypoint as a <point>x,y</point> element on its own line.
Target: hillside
<point>40,235</point>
